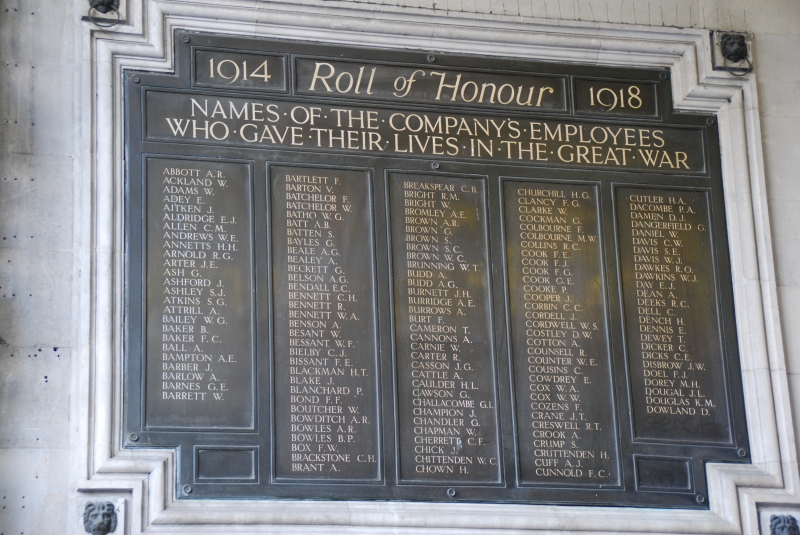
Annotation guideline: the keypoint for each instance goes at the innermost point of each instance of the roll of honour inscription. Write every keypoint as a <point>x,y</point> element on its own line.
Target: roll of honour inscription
<point>361,274</point>
<point>561,359</point>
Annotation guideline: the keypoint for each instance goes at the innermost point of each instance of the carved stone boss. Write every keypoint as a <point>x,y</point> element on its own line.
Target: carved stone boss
<point>482,280</point>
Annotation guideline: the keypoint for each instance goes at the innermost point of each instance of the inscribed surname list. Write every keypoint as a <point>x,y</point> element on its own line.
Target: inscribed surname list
<point>561,358</point>
<point>325,359</point>
<point>445,372</point>
<point>199,366</point>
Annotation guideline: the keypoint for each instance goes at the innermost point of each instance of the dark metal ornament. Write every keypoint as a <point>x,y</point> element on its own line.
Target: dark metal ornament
<point>734,49</point>
<point>99,518</point>
<point>783,525</point>
<point>103,7</point>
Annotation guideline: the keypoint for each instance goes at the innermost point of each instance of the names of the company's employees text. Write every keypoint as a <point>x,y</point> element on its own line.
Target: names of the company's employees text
<point>677,373</point>
<point>445,374</point>
<point>199,365</point>
<point>325,351</point>
<point>265,124</point>
<point>561,359</point>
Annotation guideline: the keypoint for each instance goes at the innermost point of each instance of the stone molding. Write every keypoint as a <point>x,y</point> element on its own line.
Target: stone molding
<point>100,466</point>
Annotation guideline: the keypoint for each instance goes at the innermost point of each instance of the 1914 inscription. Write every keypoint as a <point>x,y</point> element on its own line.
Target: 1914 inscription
<point>199,364</point>
<point>444,364</point>
<point>559,334</point>
<point>670,299</point>
<point>325,400</point>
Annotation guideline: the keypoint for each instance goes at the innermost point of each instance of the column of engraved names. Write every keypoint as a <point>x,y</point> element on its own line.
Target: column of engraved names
<point>676,368</point>
<point>199,367</point>
<point>326,417</point>
<point>559,335</point>
<point>445,370</point>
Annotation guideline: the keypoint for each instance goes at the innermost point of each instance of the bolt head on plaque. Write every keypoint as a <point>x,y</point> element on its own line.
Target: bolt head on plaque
<point>451,492</point>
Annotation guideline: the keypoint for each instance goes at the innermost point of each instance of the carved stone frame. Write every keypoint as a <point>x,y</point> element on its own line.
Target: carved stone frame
<point>145,478</point>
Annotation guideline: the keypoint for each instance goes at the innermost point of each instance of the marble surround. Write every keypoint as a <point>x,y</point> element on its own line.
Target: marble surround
<point>100,469</point>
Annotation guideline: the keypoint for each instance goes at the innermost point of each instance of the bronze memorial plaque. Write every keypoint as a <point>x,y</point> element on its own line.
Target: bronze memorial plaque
<point>356,274</point>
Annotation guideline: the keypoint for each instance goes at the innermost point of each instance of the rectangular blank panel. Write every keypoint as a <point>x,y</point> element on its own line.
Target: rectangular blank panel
<point>663,474</point>
<point>226,464</point>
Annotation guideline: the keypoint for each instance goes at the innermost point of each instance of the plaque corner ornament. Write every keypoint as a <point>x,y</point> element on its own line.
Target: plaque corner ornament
<point>106,9</point>
<point>733,52</point>
<point>783,525</point>
<point>100,518</point>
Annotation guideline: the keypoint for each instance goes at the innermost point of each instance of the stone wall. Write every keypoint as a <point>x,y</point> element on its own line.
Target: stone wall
<point>38,82</point>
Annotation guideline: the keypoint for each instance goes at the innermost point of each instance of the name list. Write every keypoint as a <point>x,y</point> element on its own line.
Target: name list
<point>559,335</point>
<point>325,359</point>
<point>677,374</point>
<point>444,358</point>
<point>199,365</point>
